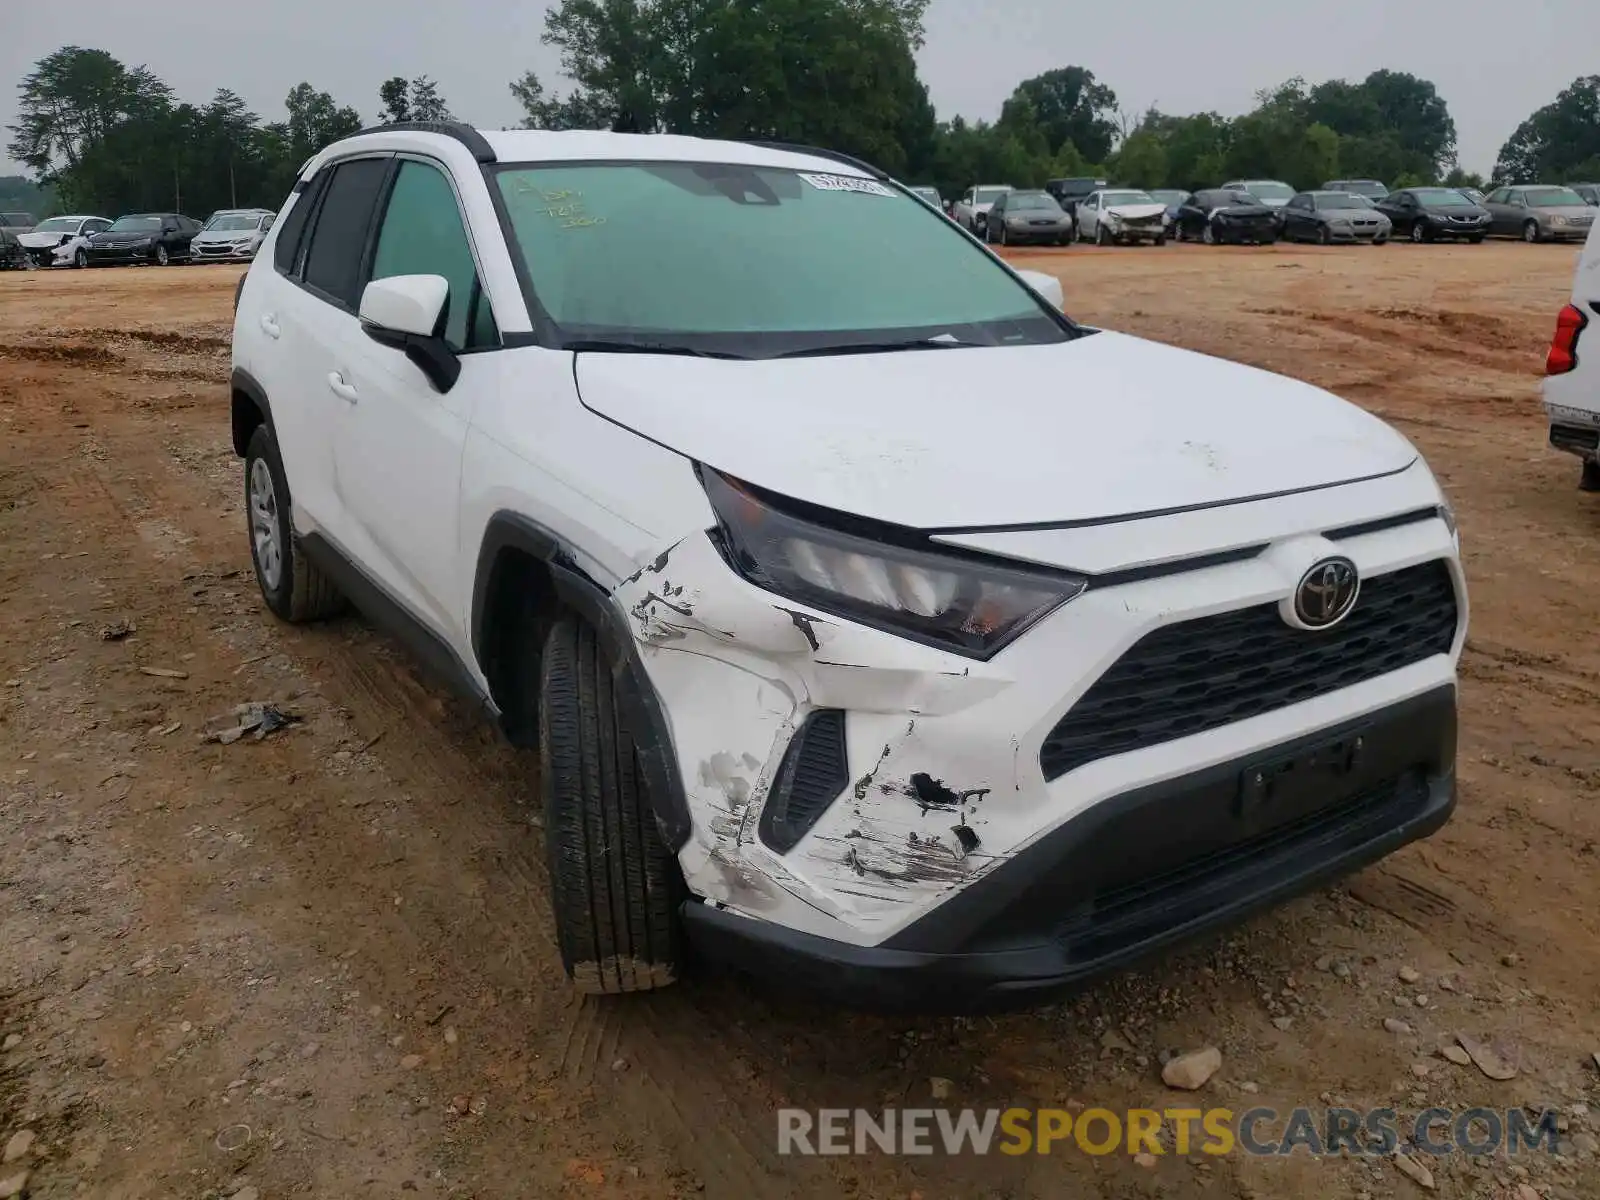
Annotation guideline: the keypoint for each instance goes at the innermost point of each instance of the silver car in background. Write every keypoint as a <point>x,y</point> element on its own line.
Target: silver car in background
<point>232,235</point>
<point>1538,212</point>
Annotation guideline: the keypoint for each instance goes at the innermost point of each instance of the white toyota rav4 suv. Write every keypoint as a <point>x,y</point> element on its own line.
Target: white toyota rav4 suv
<point>878,628</point>
<point>1572,369</point>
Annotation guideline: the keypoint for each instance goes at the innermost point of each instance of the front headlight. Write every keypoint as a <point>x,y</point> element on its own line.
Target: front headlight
<point>971,605</point>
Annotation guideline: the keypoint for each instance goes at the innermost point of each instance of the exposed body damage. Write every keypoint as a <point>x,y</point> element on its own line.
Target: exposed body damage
<point>910,835</point>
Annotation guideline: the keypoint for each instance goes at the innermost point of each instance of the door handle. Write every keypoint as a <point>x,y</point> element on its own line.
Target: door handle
<point>269,326</point>
<point>340,388</point>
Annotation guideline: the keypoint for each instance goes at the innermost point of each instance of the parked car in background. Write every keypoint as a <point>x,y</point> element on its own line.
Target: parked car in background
<point>158,238</point>
<point>1068,192</point>
<point>1426,214</point>
<point>1120,215</point>
<point>12,256</point>
<point>1328,217</point>
<point>1021,217</point>
<point>1539,213</point>
<point>964,715</point>
<point>17,223</point>
<point>1173,198</point>
<point>62,241</point>
<point>1589,193</point>
<point>232,234</point>
<point>1218,215</point>
<point>1572,380</point>
<point>1274,193</point>
<point>972,210</point>
<point>1372,189</point>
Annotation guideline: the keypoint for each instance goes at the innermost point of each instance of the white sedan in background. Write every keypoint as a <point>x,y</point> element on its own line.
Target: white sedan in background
<point>972,210</point>
<point>61,241</point>
<point>1121,215</point>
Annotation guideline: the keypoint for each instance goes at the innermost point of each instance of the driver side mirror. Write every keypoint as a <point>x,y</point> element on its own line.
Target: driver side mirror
<point>407,313</point>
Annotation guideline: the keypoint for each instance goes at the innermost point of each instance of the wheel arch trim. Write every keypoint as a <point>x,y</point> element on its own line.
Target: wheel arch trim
<point>242,383</point>
<point>575,589</point>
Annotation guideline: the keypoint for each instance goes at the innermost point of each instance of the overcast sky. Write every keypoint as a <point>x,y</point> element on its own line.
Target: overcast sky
<point>1494,64</point>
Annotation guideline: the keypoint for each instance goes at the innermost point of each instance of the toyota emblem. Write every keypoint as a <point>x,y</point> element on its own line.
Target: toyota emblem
<point>1326,593</point>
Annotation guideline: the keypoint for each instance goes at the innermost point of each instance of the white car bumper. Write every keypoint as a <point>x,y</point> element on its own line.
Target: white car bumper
<point>996,828</point>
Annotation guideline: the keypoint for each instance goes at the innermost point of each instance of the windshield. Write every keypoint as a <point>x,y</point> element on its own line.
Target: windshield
<point>989,195</point>
<point>931,195</point>
<point>57,225</point>
<point>234,222</point>
<point>1266,189</point>
<point>1110,198</point>
<point>1553,197</point>
<point>1166,196</point>
<point>1441,198</point>
<point>1342,200</point>
<point>1033,201</point>
<point>753,261</point>
<point>135,225</point>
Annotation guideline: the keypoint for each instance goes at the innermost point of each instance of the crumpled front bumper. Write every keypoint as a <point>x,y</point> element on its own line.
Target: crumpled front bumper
<point>941,790</point>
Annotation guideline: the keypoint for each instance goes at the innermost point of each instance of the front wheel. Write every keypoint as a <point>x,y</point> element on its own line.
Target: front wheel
<point>1161,239</point>
<point>1475,238</point>
<point>1005,237</point>
<point>162,257</point>
<point>1530,232</point>
<point>1102,236</point>
<point>80,260</point>
<point>1209,235</point>
<point>614,886</point>
<point>1419,232</point>
<point>1324,236</point>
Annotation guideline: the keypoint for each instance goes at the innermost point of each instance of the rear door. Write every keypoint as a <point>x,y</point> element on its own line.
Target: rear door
<point>305,309</point>
<point>398,442</point>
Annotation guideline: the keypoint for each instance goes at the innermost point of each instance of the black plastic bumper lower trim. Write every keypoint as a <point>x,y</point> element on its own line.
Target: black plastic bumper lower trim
<point>1066,909</point>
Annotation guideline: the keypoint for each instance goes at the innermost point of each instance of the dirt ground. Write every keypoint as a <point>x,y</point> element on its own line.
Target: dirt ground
<point>320,965</point>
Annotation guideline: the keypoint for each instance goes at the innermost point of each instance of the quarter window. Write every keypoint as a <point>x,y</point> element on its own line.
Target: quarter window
<point>422,234</point>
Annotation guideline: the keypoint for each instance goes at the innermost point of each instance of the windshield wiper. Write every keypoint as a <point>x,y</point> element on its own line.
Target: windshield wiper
<point>943,342</point>
<point>602,346</point>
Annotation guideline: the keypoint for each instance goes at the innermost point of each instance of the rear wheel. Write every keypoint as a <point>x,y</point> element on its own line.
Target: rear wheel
<point>614,885</point>
<point>292,587</point>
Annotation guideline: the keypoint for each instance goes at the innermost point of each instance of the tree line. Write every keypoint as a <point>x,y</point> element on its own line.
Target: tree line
<point>842,74</point>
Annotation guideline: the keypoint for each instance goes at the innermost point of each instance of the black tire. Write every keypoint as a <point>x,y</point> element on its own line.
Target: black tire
<point>1102,236</point>
<point>1005,237</point>
<point>1419,232</point>
<point>1324,236</point>
<point>1161,239</point>
<point>1208,235</point>
<point>1589,477</point>
<point>614,887</point>
<point>300,592</point>
<point>1531,233</point>
<point>162,258</point>
<point>80,260</point>
<point>1476,239</point>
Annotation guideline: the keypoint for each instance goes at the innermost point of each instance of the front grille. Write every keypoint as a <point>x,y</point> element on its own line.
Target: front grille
<point>1197,675</point>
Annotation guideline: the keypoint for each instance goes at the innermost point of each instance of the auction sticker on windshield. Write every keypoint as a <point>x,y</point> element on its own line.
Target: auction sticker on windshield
<point>847,183</point>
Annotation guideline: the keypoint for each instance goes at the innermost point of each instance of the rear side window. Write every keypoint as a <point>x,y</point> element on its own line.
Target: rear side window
<point>333,263</point>
<point>423,234</point>
<point>287,250</point>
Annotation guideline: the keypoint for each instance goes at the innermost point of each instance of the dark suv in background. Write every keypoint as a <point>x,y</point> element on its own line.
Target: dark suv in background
<point>1068,192</point>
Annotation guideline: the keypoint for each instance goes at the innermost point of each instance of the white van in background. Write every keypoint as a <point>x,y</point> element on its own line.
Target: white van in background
<point>1572,369</point>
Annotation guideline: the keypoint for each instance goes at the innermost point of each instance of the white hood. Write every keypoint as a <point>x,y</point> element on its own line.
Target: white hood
<point>1133,212</point>
<point>39,241</point>
<point>227,235</point>
<point>1098,427</point>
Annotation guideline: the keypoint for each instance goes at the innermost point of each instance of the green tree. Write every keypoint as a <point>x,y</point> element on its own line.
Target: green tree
<point>71,100</point>
<point>1141,160</point>
<point>426,102</point>
<point>395,93</point>
<point>1068,105</point>
<point>1559,142</point>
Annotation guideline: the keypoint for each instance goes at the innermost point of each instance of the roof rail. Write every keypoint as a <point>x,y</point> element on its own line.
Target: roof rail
<point>818,152</point>
<point>469,137</point>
